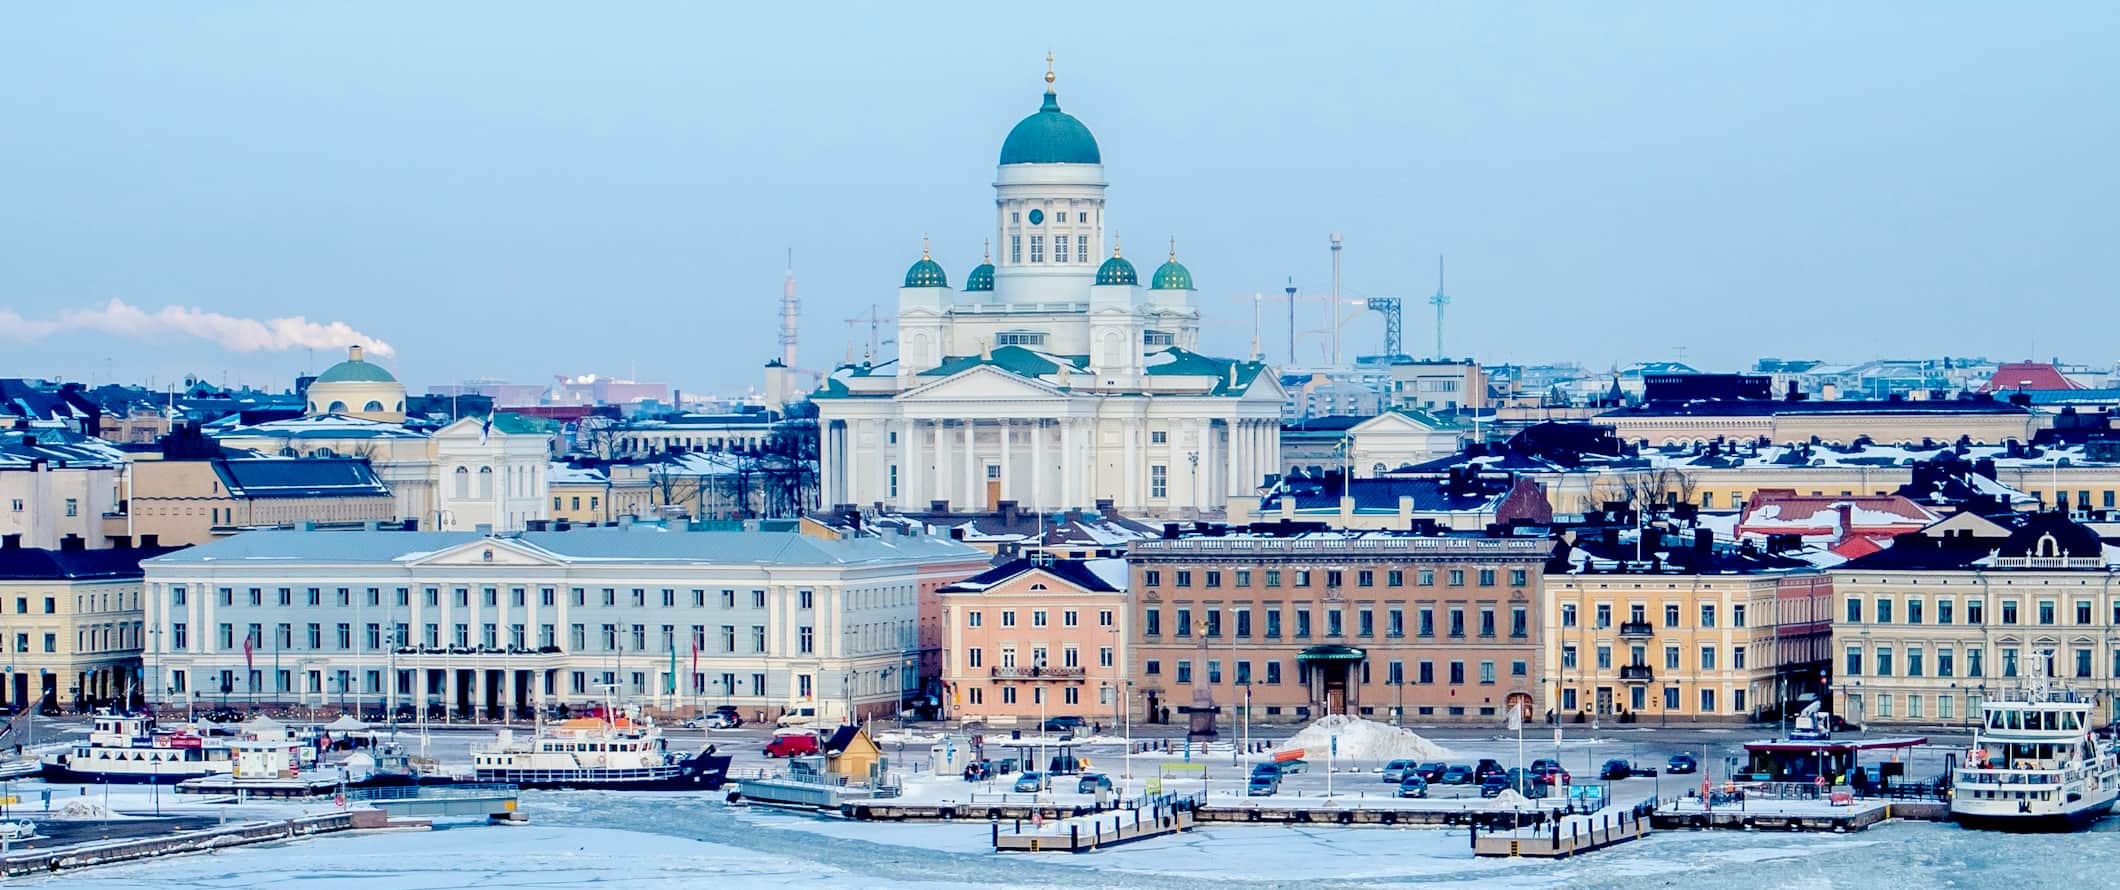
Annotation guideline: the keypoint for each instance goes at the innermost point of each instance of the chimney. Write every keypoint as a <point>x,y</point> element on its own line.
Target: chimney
<point>938,506</point>
<point>1104,506</point>
<point>121,542</point>
<point>1170,531</point>
<point>483,528</point>
<point>1828,391</point>
<point>150,542</point>
<point>1703,548</point>
<point>72,544</point>
<point>1847,520</point>
<point>1008,512</point>
<point>11,541</point>
<point>561,525</point>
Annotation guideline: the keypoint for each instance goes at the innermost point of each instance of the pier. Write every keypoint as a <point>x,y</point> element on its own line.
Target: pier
<point>87,854</point>
<point>1082,834</point>
<point>1564,836</point>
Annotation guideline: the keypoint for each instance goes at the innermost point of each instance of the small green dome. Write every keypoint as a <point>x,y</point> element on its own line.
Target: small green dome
<point>355,370</point>
<point>926,273</point>
<point>1117,271</point>
<point>1051,136</point>
<point>1172,275</point>
<point>981,279</point>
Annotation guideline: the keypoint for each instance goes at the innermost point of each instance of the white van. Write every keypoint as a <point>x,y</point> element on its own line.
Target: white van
<point>800,715</point>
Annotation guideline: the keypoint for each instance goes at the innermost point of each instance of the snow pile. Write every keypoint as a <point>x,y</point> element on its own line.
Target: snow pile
<point>80,809</point>
<point>1510,800</point>
<point>1362,740</point>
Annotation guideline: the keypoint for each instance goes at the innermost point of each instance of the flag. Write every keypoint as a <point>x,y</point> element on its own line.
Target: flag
<point>1516,719</point>
<point>485,428</point>
<point>248,662</point>
<point>671,686</point>
<point>695,664</point>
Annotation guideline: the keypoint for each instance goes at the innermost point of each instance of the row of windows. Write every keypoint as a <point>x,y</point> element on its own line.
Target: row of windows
<point>1881,705</point>
<point>1638,614</point>
<point>490,596</point>
<point>1917,610</point>
<point>1070,657</point>
<point>1394,672</point>
<point>1069,695</point>
<point>1210,622</point>
<point>1039,618</point>
<point>1015,248</point>
<point>1640,654</point>
<point>612,637</point>
<point>1638,700</point>
<point>1332,577</point>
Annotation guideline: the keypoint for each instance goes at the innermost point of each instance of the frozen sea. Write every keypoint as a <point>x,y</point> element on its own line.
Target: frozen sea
<point>606,840</point>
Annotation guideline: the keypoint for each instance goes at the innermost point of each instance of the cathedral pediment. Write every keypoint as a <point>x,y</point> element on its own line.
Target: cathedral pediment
<point>984,383</point>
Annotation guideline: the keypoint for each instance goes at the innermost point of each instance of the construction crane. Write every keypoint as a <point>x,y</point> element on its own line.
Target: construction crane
<point>1389,308</point>
<point>875,320</point>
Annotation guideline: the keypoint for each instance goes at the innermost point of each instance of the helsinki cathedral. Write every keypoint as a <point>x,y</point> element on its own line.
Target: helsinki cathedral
<point>1053,375</point>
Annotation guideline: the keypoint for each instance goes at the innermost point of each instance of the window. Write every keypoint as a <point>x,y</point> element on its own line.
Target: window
<point>1037,617</point>
<point>1973,666</point>
<point>1519,622</point>
<point>1152,667</point>
<point>2009,611</point>
<point>1457,621</point>
<point>1303,624</point>
<point>1943,611</point>
<point>1082,251</point>
<point>1152,623</point>
<point>2083,611</point>
<point>972,618</point>
<point>1975,612</point>
<point>1604,615</point>
<point>1854,663</point>
<point>1486,621</point>
<point>1183,623</point>
<point>73,508</point>
<point>1457,577</point>
<point>1015,248</point>
<point>1457,673</point>
<point>1158,481</point>
<point>1707,701</point>
<point>1519,577</point>
<point>1332,623</point>
<point>2046,611</point>
<point>1008,618</point>
<point>1158,437</point>
<point>1273,624</point>
<point>1707,615</point>
<point>1184,670</point>
<point>2083,663</point>
<point>1428,621</point>
<point>1424,672</point>
<point>1943,662</point>
<point>1037,248</point>
<point>1395,622</point>
<point>1737,615</point>
<point>1567,614</point>
<point>1151,577</point>
<point>1670,658</point>
<point>1854,611</point>
<point>1671,614</point>
<point>1604,658</point>
<point>805,639</point>
<point>1568,657</point>
<point>1884,661</point>
<point>1737,658</point>
<point>1487,672</point>
<point>1104,617</point>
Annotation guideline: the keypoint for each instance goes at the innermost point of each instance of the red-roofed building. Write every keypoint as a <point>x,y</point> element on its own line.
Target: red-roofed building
<point>1855,524</point>
<point>2013,376</point>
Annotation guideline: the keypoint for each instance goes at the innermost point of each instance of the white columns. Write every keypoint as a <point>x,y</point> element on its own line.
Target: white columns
<point>903,497</point>
<point>1038,464</point>
<point>851,441</point>
<point>1203,476</point>
<point>1008,480</point>
<point>972,500</point>
<point>1070,465</point>
<point>939,488</point>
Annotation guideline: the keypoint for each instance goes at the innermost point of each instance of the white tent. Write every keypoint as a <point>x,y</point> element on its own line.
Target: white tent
<point>346,723</point>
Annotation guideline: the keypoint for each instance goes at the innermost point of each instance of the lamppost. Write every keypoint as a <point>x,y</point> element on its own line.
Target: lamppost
<point>1235,752</point>
<point>1193,457</point>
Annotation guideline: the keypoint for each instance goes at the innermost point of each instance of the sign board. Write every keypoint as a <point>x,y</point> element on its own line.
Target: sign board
<point>1155,785</point>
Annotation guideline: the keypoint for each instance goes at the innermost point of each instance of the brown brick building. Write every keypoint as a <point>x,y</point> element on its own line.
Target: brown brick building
<point>1381,624</point>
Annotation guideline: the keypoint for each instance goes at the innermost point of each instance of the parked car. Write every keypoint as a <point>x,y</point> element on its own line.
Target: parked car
<point>1263,785</point>
<point>1291,767</point>
<point>1270,770</point>
<point>804,715</point>
<point>1065,724</point>
<point>1616,769</point>
<point>1551,771</point>
<point>1065,765</point>
<point>1682,764</point>
<point>1523,782</point>
<point>1433,771</point>
<point>1494,785</point>
<point>1091,783</point>
<point>794,744</point>
<point>1030,783</point>
<point>1413,786</point>
<point>1457,775</point>
<point>1397,770</point>
<point>1487,766</point>
<point>728,712</point>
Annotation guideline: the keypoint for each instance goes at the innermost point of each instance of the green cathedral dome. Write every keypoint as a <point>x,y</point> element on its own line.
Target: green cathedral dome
<point>981,279</point>
<point>1172,275</point>
<point>1117,271</point>
<point>1051,136</point>
<point>926,273</point>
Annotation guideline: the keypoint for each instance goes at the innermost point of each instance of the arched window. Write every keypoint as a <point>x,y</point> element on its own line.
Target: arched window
<point>372,405</point>
<point>485,482</point>
<point>336,408</point>
<point>463,482</point>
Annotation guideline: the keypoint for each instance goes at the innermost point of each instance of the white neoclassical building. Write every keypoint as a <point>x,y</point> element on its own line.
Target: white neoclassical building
<point>1054,378</point>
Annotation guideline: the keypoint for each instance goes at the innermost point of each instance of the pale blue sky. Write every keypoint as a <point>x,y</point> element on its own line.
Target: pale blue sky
<point>515,189</point>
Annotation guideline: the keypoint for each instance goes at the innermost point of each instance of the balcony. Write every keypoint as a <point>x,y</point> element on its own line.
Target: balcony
<point>1636,673</point>
<point>1036,673</point>
<point>1636,629</point>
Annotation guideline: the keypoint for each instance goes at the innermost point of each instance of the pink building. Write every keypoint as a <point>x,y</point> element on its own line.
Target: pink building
<point>1034,638</point>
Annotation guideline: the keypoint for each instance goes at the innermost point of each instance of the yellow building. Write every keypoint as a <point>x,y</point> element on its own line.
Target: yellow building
<point>70,623</point>
<point>196,501</point>
<point>1685,631</point>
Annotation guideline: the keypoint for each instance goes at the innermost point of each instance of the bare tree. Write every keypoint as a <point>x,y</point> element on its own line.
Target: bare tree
<point>599,436</point>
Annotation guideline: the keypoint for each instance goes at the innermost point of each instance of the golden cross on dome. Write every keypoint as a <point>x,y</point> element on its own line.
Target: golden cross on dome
<point>1115,245</point>
<point>1173,248</point>
<point>923,246</point>
<point>986,251</point>
<point>1048,71</point>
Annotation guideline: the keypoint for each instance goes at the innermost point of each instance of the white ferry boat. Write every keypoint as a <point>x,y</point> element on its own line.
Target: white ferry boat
<point>2034,764</point>
<point>614,753</point>
<point>129,749</point>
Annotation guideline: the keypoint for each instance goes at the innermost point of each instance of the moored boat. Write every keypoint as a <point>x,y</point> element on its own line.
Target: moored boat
<point>130,749</point>
<point>613,753</point>
<point>2035,764</point>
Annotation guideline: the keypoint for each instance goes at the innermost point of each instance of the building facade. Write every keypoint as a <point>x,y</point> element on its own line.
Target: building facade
<point>1054,378</point>
<point>485,624</point>
<point>1939,622</point>
<point>1036,638</point>
<point>70,622</point>
<point>56,484</point>
<point>196,501</point>
<point>1688,633</point>
<point>1389,625</point>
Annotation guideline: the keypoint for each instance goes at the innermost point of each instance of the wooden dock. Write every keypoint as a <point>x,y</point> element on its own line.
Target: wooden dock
<point>1767,816</point>
<point>1088,833</point>
<point>67,857</point>
<point>1563,838</point>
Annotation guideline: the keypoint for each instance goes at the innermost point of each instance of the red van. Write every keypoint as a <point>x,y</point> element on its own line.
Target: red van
<point>792,745</point>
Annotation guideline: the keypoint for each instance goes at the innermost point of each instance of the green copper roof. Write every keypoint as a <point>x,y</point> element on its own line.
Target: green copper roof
<point>1117,271</point>
<point>1172,275</point>
<point>926,273</point>
<point>355,371</point>
<point>1050,137</point>
<point>1014,359</point>
<point>982,278</point>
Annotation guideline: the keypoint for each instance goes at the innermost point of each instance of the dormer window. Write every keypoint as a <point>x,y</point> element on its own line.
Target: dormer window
<point>1020,338</point>
<point>1158,338</point>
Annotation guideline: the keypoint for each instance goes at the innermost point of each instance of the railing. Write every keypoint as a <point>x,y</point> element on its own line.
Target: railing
<point>2030,779</point>
<point>1037,673</point>
<point>412,792</point>
<point>1395,544</point>
<point>1636,629</point>
<point>1639,672</point>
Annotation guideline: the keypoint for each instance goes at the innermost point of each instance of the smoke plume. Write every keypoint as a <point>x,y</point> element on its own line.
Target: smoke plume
<point>120,319</point>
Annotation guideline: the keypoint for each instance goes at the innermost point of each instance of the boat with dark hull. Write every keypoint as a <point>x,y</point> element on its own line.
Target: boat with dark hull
<point>609,754</point>
<point>2035,764</point>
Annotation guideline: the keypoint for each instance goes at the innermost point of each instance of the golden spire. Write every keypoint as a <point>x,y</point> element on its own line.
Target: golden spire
<point>1173,248</point>
<point>1115,245</point>
<point>1048,71</point>
<point>923,245</point>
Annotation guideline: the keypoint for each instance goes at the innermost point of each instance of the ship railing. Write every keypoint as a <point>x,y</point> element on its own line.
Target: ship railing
<point>2011,777</point>
<point>411,792</point>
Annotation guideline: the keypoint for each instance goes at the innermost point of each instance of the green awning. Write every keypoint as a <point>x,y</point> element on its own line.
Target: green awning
<point>1331,652</point>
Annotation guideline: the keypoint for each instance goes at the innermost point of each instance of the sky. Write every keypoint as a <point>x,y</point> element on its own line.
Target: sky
<point>515,190</point>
